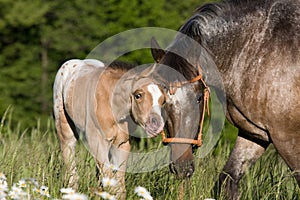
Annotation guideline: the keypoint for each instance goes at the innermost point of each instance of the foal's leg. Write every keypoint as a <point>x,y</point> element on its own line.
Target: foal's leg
<point>99,146</point>
<point>67,143</point>
<point>244,154</point>
<point>119,156</point>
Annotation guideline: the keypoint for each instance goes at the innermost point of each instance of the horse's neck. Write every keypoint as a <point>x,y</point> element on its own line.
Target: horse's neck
<point>234,39</point>
<point>121,99</point>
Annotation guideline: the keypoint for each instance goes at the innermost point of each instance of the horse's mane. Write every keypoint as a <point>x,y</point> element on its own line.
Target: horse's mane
<point>188,52</point>
<point>225,11</point>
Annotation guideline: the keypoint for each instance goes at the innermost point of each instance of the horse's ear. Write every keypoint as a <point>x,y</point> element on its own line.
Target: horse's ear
<point>157,52</point>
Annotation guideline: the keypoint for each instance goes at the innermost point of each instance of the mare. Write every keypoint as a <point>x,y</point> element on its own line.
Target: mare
<point>256,48</point>
<point>94,102</point>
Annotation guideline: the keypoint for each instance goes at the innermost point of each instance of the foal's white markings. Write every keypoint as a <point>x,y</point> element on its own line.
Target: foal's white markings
<point>96,63</point>
<point>156,94</point>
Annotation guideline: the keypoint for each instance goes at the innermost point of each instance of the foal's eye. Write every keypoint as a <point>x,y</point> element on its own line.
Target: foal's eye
<point>138,96</point>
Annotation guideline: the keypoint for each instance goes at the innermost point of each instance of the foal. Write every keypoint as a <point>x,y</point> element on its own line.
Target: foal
<point>95,102</point>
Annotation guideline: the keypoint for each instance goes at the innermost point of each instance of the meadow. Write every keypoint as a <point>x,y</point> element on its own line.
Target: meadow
<point>34,153</point>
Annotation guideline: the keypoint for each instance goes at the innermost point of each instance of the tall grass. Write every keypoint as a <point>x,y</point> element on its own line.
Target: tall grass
<point>35,153</point>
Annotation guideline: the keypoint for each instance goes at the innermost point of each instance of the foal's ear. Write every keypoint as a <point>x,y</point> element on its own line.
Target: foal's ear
<point>148,71</point>
<point>157,52</point>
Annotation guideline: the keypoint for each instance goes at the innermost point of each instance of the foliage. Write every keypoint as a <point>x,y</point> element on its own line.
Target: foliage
<point>36,37</point>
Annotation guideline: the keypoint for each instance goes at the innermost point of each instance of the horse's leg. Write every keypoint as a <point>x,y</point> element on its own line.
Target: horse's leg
<point>244,154</point>
<point>288,146</point>
<point>67,143</point>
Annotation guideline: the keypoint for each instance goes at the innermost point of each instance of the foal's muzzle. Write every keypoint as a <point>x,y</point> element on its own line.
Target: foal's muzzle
<point>154,125</point>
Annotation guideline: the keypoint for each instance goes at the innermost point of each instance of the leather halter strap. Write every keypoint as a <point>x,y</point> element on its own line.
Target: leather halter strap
<point>206,92</point>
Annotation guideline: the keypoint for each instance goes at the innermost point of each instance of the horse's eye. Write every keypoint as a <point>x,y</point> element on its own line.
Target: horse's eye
<point>199,98</point>
<point>138,96</point>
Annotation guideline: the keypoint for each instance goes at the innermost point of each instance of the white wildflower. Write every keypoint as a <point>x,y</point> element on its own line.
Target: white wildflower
<point>106,195</point>
<point>13,195</point>
<point>112,197</point>
<point>75,196</point>
<point>44,191</point>
<point>16,189</point>
<point>106,181</point>
<point>22,183</point>
<point>111,167</point>
<point>36,190</point>
<point>142,192</point>
<point>16,193</point>
<point>147,197</point>
<point>67,191</point>
<point>3,186</point>
<point>2,195</point>
<point>2,176</point>
<point>3,182</point>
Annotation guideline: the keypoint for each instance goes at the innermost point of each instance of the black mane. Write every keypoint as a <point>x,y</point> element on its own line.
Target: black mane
<point>225,11</point>
<point>223,28</point>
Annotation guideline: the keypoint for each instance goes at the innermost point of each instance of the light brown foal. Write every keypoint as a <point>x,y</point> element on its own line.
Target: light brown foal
<point>93,102</point>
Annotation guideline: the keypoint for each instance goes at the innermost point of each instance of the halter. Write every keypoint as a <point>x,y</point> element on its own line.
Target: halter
<point>172,90</point>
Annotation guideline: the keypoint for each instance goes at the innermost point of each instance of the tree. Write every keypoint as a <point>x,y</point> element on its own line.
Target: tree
<point>36,37</point>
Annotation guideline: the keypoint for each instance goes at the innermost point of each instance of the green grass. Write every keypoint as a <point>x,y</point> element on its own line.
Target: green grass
<point>35,153</point>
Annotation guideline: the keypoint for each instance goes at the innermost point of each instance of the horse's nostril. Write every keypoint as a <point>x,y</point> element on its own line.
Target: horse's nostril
<point>182,169</point>
<point>153,120</point>
<point>190,172</point>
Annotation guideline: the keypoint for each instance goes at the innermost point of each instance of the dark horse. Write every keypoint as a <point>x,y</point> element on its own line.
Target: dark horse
<point>256,48</point>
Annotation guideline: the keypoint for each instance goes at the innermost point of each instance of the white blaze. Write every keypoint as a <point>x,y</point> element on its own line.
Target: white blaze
<point>156,94</point>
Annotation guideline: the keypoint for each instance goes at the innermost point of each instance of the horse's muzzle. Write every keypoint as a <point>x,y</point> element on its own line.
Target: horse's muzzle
<point>183,168</point>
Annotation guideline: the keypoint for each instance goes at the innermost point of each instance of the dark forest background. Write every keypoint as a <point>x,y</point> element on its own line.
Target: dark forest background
<point>37,36</point>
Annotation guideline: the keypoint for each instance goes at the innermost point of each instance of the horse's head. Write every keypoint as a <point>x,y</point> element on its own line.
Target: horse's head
<point>147,99</point>
<point>183,107</point>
